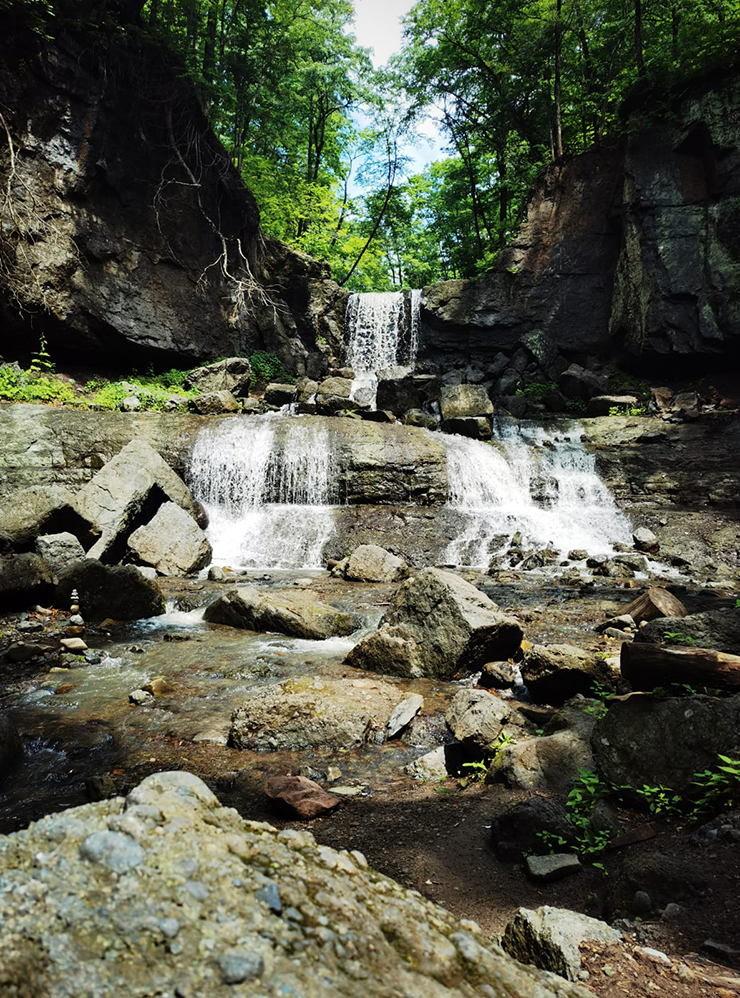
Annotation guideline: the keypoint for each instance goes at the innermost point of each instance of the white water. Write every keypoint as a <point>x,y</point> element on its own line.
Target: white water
<point>532,480</point>
<point>269,486</point>
<point>381,331</point>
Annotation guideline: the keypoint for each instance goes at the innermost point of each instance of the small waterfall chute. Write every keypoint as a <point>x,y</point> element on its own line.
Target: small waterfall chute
<point>381,330</point>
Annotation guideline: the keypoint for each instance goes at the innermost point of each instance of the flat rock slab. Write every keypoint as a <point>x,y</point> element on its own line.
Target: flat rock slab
<point>300,798</point>
<point>402,714</point>
<point>552,867</point>
<point>297,614</point>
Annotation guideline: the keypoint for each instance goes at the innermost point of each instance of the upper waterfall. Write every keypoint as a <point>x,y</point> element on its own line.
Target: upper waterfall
<point>381,330</point>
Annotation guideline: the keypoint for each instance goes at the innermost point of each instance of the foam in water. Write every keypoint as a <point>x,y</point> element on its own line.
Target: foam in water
<point>381,331</point>
<point>269,486</point>
<point>532,480</point>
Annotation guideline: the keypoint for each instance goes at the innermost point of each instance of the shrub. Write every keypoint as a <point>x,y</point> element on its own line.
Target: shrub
<point>267,367</point>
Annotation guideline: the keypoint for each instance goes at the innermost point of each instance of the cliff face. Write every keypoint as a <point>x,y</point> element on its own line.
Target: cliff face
<point>125,232</point>
<point>632,249</point>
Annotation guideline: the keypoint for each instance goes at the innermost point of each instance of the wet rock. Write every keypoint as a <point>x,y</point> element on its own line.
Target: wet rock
<point>475,427</point>
<point>233,374</point>
<point>645,540</point>
<point>520,830</point>
<point>622,621</point>
<point>426,420</point>
<point>140,697</point>
<point>120,593</point>
<point>59,550</point>
<point>76,645</point>
<point>718,629</point>
<point>651,740</point>
<point>297,614</point>
<point>437,625</point>
<point>333,395</point>
<point>297,797</point>
<point>217,574</point>
<point>147,571</point>
<point>215,403</point>
<point>464,401</point>
<point>497,676</point>
<point>126,493</point>
<point>550,938</point>
<point>280,395</point>
<point>555,673</point>
<point>402,714</point>
<point>24,578</point>
<point>308,713</point>
<point>554,866</point>
<point>371,563</point>
<point>410,392</point>
<point>172,542</point>
<point>41,510</point>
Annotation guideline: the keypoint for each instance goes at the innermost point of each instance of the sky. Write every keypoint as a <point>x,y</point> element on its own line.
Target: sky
<point>378,27</point>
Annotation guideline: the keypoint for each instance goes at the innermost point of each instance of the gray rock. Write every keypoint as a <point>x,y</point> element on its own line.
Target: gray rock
<point>718,629</point>
<point>298,614</point>
<point>430,766</point>
<point>578,383</point>
<point>121,593</point>
<point>131,404</point>
<point>426,420</point>
<point>47,509</point>
<point>409,392</point>
<point>59,550</point>
<point>147,571</point>
<point>74,645</point>
<point>117,852</point>
<point>217,574</point>
<point>24,578</point>
<point>600,405</point>
<point>279,394</point>
<point>497,676</point>
<point>552,760</point>
<point>620,622</point>
<point>233,374</point>
<point>552,867</point>
<point>215,403</point>
<point>126,493</point>
<point>140,697</point>
<point>437,625</point>
<point>550,938</point>
<point>555,673</point>
<point>477,718</point>
<point>371,563</point>
<point>402,714</point>
<point>172,542</point>
<point>237,966</point>
<point>645,540</point>
<point>463,401</point>
<point>475,427</point>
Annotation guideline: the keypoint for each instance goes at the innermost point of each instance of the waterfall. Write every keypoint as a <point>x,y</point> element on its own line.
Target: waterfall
<point>381,330</point>
<point>541,483</point>
<point>269,485</point>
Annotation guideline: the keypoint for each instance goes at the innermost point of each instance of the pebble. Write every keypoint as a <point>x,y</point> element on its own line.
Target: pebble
<point>238,966</point>
<point>270,895</point>
<point>139,697</point>
<point>77,620</point>
<point>73,644</point>
<point>114,850</point>
<point>333,773</point>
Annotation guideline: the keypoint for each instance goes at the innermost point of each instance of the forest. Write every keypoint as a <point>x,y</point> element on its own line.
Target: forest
<point>322,137</point>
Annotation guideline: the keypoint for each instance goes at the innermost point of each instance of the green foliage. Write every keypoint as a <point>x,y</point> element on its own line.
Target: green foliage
<point>661,800</point>
<point>601,694</point>
<point>627,410</point>
<point>577,407</point>
<point>678,638</point>
<point>267,367</point>
<point>551,841</point>
<point>17,385</point>
<point>536,390</point>
<point>480,767</point>
<point>41,361</point>
<point>719,788</point>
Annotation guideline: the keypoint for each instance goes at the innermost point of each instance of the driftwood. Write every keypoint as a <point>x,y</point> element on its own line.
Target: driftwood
<point>646,666</point>
<point>654,603</point>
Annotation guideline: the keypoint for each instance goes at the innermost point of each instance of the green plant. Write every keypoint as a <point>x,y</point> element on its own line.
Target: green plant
<point>576,406</point>
<point>719,788</point>
<point>267,367</point>
<point>737,604</point>
<point>627,410</point>
<point>536,389</point>
<point>41,359</point>
<point>588,789</point>
<point>661,800</point>
<point>550,840</point>
<point>678,638</point>
<point>479,768</point>
<point>601,694</point>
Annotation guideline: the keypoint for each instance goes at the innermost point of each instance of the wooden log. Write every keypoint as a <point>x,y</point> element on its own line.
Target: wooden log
<point>646,666</point>
<point>656,602</point>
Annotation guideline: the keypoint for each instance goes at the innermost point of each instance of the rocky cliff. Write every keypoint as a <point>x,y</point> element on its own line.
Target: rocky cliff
<point>630,249</point>
<point>125,232</point>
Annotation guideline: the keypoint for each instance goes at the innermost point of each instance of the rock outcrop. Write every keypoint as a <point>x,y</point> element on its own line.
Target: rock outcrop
<point>228,902</point>
<point>297,614</point>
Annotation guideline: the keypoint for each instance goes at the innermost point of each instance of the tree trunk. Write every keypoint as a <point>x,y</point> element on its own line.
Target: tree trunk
<point>646,666</point>
<point>209,48</point>
<point>639,56</point>
<point>557,96</point>
<point>654,603</point>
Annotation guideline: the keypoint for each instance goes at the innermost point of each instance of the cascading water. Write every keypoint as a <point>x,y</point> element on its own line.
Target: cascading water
<point>268,484</point>
<point>381,331</point>
<point>541,483</point>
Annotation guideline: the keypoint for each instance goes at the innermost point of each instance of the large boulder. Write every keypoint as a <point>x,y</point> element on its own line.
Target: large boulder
<point>398,395</point>
<point>645,739</point>
<point>718,629</point>
<point>333,395</point>
<point>41,510</point>
<point>219,403</point>
<point>59,550</point>
<point>167,886</point>
<point>550,938</point>
<point>310,713</point>
<point>371,563</point>
<point>553,760</point>
<point>121,593</point>
<point>172,542</point>
<point>233,374</point>
<point>126,493</point>
<point>555,673</point>
<point>297,614</point>
<point>477,718</point>
<point>438,625</point>
<point>463,401</point>
<point>24,578</point>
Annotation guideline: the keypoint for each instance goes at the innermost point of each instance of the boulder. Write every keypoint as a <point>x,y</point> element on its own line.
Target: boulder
<point>578,383</point>
<point>126,493</point>
<point>477,718</point>
<point>297,614</point>
<point>398,395</point>
<point>555,673</point>
<point>497,676</point>
<point>438,625</point>
<point>552,760</point>
<point>644,739</point>
<point>550,938</point>
<point>718,629</point>
<point>309,713</point>
<point>464,401</point>
<point>121,593</point>
<point>475,427</point>
<point>233,374</point>
<point>601,405</point>
<point>41,510</point>
<point>280,395</point>
<point>645,540</point>
<point>24,579</point>
<point>298,797</point>
<point>371,563</point>
<point>333,395</point>
<point>172,542</point>
<point>430,766</point>
<point>59,550</point>
<point>518,831</point>
<point>402,714</point>
<point>210,881</point>
<point>215,403</point>
<point>425,420</point>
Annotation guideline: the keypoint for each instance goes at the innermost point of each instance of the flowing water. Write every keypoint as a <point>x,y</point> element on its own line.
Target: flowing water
<point>381,331</point>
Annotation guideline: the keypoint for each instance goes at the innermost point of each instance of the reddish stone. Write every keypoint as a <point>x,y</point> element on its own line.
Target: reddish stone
<point>300,798</point>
